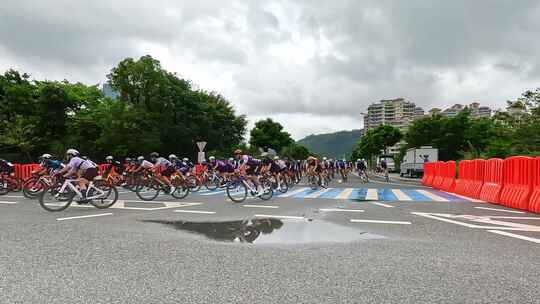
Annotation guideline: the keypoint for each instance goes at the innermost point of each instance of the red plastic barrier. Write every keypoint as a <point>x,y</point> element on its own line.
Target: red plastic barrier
<point>464,177</point>
<point>493,180</point>
<point>449,180</point>
<point>439,174</point>
<point>101,168</point>
<point>427,178</point>
<point>534,202</point>
<point>24,171</point>
<point>518,182</point>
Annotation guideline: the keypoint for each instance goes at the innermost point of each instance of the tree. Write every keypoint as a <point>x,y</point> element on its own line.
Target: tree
<point>375,141</point>
<point>269,134</point>
<point>295,151</point>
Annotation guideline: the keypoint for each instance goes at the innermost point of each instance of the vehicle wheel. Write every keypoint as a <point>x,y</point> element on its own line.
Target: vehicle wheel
<point>108,199</point>
<point>237,191</point>
<point>268,191</point>
<point>51,200</point>
<point>148,192</point>
<point>180,192</point>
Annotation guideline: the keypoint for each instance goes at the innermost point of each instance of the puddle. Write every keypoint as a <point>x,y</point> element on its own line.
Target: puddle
<point>272,231</point>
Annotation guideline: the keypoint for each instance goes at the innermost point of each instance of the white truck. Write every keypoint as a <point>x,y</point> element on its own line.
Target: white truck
<point>413,162</point>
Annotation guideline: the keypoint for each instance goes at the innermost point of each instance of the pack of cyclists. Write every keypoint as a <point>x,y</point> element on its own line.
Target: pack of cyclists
<point>167,170</point>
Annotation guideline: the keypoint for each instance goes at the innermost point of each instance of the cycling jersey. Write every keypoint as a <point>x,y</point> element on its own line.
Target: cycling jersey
<point>341,165</point>
<point>146,164</point>
<point>77,163</point>
<point>52,165</point>
<point>6,166</point>
<point>163,162</point>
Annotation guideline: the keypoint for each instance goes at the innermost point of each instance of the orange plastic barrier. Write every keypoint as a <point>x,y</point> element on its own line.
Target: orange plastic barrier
<point>438,174</point>
<point>427,178</point>
<point>449,180</point>
<point>24,171</point>
<point>534,203</point>
<point>101,168</point>
<point>493,180</point>
<point>518,182</point>
<point>465,175</point>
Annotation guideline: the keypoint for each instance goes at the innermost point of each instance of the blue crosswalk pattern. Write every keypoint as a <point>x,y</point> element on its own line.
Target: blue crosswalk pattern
<point>375,194</point>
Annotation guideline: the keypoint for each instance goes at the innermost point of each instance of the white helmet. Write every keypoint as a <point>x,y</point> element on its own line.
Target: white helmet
<point>172,156</point>
<point>211,158</point>
<point>140,158</point>
<point>72,152</point>
<point>109,157</point>
<point>358,160</point>
<point>324,158</point>
<point>185,159</point>
<point>231,159</point>
<point>276,157</point>
<point>46,155</point>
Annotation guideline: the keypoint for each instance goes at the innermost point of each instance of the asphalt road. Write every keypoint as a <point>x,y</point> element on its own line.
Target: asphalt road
<point>334,246</point>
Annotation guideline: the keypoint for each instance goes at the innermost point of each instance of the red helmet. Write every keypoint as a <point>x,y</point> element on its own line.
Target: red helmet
<point>237,151</point>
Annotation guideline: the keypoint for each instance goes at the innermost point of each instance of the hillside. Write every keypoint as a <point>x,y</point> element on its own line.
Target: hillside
<point>333,145</point>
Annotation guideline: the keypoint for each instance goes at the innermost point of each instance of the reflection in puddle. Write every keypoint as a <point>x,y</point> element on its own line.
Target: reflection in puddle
<point>272,231</point>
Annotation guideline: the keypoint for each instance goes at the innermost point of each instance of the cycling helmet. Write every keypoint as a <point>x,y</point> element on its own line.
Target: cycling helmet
<point>276,157</point>
<point>358,160</point>
<point>128,159</point>
<point>46,156</point>
<point>211,158</point>
<point>154,154</point>
<point>72,152</point>
<point>237,151</point>
<point>140,158</point>
<point>231,159</point>
<point>185,159</point>
<point>172,156</point>
<point>324,158</point>
<point>109,158</point>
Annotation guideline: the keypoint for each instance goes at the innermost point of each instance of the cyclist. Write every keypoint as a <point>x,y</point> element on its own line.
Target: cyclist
<point>143,165</point>
<point>6,167</point>
<point>342,167</point>
<point>384,167</point>
<point>250,166</point>
<point>49,165</point>
<point>85,169</point>
<point>314,167</point>
<point>223,168</point>
<point>113,167</point>
<point>165,168</point>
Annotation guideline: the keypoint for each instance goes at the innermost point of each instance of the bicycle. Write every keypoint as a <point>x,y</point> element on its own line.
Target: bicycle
<point>59,196</point>
<point>239,187</point>
<point>150,186</point>
<point>33,186</point>
<point>277,184</point>
<point>9,183</point>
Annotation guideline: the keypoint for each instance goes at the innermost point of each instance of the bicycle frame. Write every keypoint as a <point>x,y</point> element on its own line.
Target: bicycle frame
<point>69,183</point>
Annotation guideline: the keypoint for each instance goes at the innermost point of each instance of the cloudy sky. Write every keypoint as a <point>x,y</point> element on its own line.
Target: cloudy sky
<point>312,65</point>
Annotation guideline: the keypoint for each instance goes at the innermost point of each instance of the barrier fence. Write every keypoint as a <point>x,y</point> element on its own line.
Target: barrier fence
<point>513,182</point>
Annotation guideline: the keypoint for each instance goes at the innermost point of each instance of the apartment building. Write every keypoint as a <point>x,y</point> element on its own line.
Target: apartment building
<point>394,112</point>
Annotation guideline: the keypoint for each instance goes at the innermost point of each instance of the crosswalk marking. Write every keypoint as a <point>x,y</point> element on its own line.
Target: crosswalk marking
<point>401,196</point>
<point>372,194</point>
<point>345,193</point>
<point>318,193</point>
<point>291,193</point>
<point>432,196</point>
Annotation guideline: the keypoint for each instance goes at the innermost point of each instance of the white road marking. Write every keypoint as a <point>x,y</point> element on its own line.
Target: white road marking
<point>382,205</point>
<point>401,196</point>
<point>340,210</point>
<point>474,200</point>
<point>443,217</point>
<point>345,193</point>
<point>260,206</point>
<point>432,196</point>
<point>82,216</point>
<point>213,193</point>
<point>291,193</point>
<point>14,196</point>
<point>280,216</point>
<point>380,222</point>
<point>195,211</point>
<point>502,210</point>
<point>318,193</point>
<point>372,195</point>
<point>4,202</point>
<point>517,236</point>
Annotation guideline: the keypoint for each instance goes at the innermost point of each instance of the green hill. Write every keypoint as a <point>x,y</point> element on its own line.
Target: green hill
<point>333,145</point>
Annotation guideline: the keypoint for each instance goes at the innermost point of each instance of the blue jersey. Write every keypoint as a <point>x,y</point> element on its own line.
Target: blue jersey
<point>51,164</point>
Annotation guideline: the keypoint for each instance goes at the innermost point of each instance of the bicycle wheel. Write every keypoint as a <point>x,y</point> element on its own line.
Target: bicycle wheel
<point>213,183</point>
<point>268,191</point>
<point>4,187</point>
<point>52,200</point>
<point>313,182</point>
<point>237,191</point>
<point>283,186</point>
<point>181,192</point>
<point>33,187</point>
<point>107,199</point>
<point>148,191</point>
<point>193,183</point>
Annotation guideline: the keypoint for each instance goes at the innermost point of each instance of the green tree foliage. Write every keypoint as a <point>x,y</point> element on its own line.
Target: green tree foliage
<point>156,111</point>
<point>295,151</point>
<point>376,141</point>
<point>269,134</point>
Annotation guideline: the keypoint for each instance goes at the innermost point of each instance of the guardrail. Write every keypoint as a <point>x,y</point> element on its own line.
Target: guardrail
<point>513,182</point>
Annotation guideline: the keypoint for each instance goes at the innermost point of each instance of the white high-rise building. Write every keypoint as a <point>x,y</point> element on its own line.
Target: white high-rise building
<point>394,112</point>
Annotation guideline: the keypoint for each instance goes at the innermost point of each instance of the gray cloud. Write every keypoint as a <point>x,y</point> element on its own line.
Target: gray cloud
<point>325,61</point>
